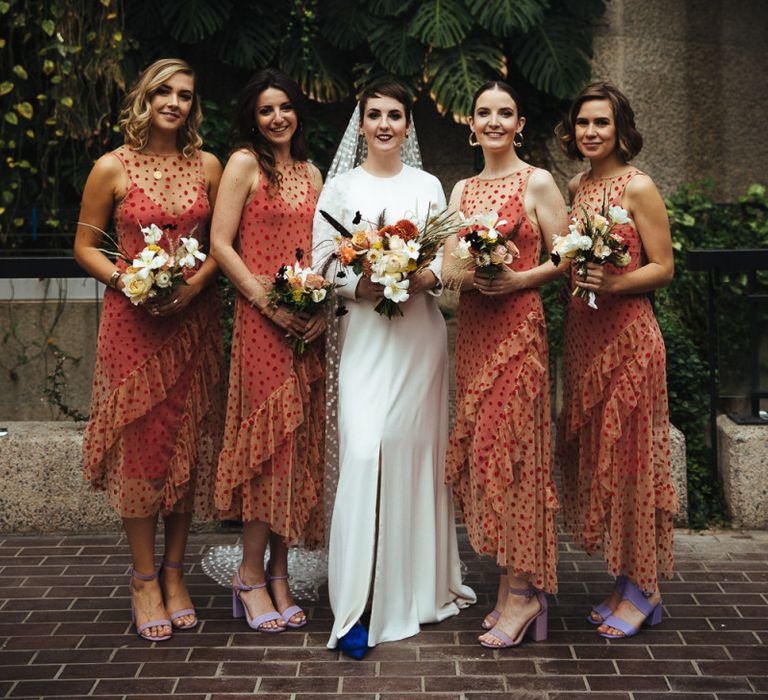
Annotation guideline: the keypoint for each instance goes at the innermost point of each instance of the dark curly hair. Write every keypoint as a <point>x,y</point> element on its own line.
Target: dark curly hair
<point>629,141</point>
<point>247,130</point>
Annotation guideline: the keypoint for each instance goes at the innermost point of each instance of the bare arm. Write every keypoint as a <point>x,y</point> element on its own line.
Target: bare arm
<point>649,214</point>
<point>105,185</point>
<point>544,205</point>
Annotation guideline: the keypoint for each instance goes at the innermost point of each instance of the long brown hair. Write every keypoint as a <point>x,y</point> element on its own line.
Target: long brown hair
<point>247,129</point>
<point>136,114</point>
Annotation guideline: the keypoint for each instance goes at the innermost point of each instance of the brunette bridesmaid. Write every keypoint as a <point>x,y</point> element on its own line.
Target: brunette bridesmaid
<point>270,472</point>
<point>613,433</point>
<point>157,406</point>
<point>499,451</point>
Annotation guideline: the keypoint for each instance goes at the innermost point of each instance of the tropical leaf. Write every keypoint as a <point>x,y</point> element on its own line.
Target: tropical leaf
<point>441,23</point>
<point>505,17</point>
<point>193,20</point>
<point>389,8</point>
<point>251,41</point>
<point>346,24</point>
<point>395,49</point>
<point>366,73</point>
<point>454,74</point>
<point>554,56</point>
<point>319,70</point>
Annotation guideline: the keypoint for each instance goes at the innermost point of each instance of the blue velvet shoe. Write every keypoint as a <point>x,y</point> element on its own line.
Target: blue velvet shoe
<point>355,642</point>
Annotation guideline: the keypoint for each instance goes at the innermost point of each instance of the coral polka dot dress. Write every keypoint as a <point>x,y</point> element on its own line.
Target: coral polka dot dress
<point>499,451</point>
<point>613,433</point>
<point>157,404</point>
<point>271,465</point>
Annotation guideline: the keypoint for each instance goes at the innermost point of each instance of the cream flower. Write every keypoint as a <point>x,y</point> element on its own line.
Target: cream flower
<point>318,295</point>
<point>618,215</point>
<point>149,260</point>
<point>163,279</point>
<point>137,288</point>
<point>413,248</point>
<point>397,291</point>
<point>152,234</point>
<point>190,250</point>
<point>463,250</point>
<point>500,255</point>
<point>490,221</point>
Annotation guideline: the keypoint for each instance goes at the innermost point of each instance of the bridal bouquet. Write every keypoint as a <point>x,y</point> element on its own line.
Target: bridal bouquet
<point>300,290</point>
<point>592,240</point>
<point>482,244</point>
<point>390,255</point>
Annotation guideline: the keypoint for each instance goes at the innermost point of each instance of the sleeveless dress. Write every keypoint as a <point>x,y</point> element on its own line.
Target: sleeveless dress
<point>157,403</point>
<point>613,433</point>
<point>271,464</point>
<point>499,459</point>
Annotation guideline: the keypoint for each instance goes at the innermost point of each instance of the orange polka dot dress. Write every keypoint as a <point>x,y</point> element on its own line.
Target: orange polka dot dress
<point>157,403</point>
<point>271,465</point>
<point>499,451</point>
<point>613,433</point>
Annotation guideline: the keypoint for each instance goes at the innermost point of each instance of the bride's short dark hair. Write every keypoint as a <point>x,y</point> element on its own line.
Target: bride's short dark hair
<point>387,88</point>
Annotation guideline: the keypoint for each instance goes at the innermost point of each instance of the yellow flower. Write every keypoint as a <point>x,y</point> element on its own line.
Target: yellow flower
<point>297,294</point>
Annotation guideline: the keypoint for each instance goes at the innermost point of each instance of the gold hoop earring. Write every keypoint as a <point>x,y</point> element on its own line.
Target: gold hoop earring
<point>474,143</point>
<point>515,142</point>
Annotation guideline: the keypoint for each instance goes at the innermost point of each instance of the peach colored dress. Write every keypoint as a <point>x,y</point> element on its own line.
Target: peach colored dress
<point>157,404</point>
<point>499,457</point>
<point>271,465</point>
<point>613,433</point>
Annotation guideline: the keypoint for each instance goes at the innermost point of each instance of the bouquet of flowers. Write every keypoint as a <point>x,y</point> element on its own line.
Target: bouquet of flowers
<point>300,290</point>
<point>592,240</point>
<point>154,272</point>
<point>390,255</point>
<point>481,242</point>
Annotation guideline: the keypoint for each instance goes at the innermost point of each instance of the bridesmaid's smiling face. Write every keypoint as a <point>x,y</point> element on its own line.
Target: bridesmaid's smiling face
<point>276,117</point>
<point>595,130</point>
<point>384,124</point>
<point>171,103</point>
<point>496,120</point>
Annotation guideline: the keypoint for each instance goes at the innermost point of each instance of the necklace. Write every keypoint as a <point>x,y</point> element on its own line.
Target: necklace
<point>157,173</point>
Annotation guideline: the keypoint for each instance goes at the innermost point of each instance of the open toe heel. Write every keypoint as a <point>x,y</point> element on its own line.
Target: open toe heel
<point>535,628</point>
<point>239,608</point>
<point>177,614</point>
<point>142,628</point>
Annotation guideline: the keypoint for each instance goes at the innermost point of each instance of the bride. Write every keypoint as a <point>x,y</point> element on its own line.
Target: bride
<point>393,537</point>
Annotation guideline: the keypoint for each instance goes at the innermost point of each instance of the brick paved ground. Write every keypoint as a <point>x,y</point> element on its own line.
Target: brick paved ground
<point>64,632</point>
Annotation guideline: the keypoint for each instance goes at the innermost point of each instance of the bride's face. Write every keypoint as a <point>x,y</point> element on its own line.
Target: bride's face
<point>384,124</point>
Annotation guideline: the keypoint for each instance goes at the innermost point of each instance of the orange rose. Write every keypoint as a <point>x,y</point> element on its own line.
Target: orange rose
<point>348,255</point>
<point>360,240</point>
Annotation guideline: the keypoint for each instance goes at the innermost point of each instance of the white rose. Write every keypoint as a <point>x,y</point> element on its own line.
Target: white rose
<point>137,288</point>
<point>619,215</point>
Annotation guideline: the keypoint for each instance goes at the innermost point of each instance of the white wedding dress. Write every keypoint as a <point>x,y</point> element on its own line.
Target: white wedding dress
<point>393,428</point>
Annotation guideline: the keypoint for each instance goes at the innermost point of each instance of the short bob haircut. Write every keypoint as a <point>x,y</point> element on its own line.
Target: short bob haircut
<point>387,88</point>
<point>136,113</point>
<point>498,85</point>
<point>246,126</point>
<point>629,141</point>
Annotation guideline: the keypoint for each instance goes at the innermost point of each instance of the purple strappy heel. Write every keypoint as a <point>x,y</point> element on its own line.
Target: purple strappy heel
<point>603,610</point>
<point>240,610</point>
<point>185,611</point>
<point>140,629</point>
<point>291,610</point>
<point>538,633</point>
<point>635,596</point>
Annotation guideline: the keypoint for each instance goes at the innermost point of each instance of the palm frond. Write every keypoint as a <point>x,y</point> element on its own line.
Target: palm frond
<point>441,23</point>
<point>192,20</point>
<point>365,73</point>
<point>345,24</point>
<point>250,41</point>
<point>504,17</point>
<point>554,57</point>
<point>454,74</point>
<point>319,70</point>
<point>389,8</point>
<point>393,47</point>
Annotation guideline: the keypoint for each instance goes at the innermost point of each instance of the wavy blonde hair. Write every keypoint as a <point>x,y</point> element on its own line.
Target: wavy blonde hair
<point>136,113</point>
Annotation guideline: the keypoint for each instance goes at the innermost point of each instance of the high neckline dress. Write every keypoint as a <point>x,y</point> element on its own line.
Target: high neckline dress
<point>157,403</point>
<point>613,444</point>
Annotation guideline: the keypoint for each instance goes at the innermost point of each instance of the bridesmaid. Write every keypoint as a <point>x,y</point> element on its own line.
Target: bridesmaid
<point>613,433</point>
<point>270,471</point>
<point>499,450</point>
<point>157,405</point>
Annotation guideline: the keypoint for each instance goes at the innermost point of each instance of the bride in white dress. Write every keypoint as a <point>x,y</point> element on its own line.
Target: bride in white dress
<point>393,536</point>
